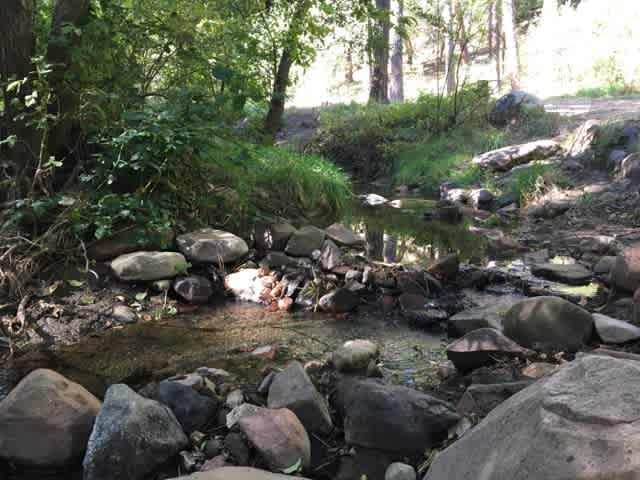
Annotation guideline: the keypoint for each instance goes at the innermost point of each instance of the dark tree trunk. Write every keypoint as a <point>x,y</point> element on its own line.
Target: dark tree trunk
<point>450,64</point>
<point>379,55</point>
<point>279,94</point>
<point>511,62</point>
<point>375,244</point>
<point>17,47</point>
<point>497,31</point>
<point>396,93</point>
<point>66,133</point>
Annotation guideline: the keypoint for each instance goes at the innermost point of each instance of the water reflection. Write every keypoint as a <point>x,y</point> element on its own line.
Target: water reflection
<point>402,235</point>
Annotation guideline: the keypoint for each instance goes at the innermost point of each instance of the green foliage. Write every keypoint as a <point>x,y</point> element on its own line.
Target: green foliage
<point>612,89</point>
<point>175,166</point>
<point>446,157</point>
<point>530,182</point>
<point>367,139</point>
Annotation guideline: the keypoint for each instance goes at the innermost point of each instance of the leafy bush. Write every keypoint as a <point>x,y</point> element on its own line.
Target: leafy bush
<point>530,182</point>
<point>446,158</point>
<point>174,167</point>
<point>367,139</point>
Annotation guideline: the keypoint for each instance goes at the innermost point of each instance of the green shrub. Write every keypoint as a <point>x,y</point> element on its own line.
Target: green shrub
<point>530,182</point>
<point>446,157</point>
<point>367,139</point>
<point>612,89</point>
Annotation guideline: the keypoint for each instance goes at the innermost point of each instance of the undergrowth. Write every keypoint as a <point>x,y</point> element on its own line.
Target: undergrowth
<point>529,183</point>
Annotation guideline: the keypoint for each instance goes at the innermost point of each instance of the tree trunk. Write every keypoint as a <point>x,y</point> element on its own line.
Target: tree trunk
<point>379,55</point>
<point>273,121</point>
<point>391,249</point>
<point>65,134</point>
<point>450,63</point>
<point>17,47</point>
<point>396,93</point>
<point>497,32</point>
<point>512,66</point>
<point>349,73</point>
<point>375,244</point>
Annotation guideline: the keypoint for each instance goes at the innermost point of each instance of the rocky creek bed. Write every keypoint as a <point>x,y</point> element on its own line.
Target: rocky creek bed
<point>414,340</point>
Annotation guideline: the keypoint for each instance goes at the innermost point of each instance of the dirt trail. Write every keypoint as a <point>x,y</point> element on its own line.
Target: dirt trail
<point>578,110</point>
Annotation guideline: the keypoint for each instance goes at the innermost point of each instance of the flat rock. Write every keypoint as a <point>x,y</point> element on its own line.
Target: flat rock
<point>279,438</point>
<point>612,330</point>
<point>474,318</point>
<point>148,266</point>
<point>571,274</point>
<point>213,246</point>
<point>344,236</point>
<point>548,323</point>
<point>355,355</point>
<point>392,418</point>
<point>293,389</point>
<point>481,399</point>
<point>237,473</point>
<point>131,437</point>
<point>46,420</point>
<point>575,424</point>
<point>506,158</point>
<point>482,347</point>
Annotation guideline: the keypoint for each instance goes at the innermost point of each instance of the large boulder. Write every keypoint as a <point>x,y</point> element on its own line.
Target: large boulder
<point>625,273</point>
<point>586,139</point>
<point>237,473</point>
<point>341,300</point>
<point>194,288</point>
<point>548,323</point>
<point>510,106</point>
<point>331,256</point>
<point>445,268</point>
<point>293,389</point>
<point>344,236</point>
<point>46,420</point>
<point>482,347</point>
<point>273,237</point>
<point>571,274</point>
<point>630,167</point>
<point>506,158</point>
<point>581,423</point>
<point>148,266</point>
<point>208,245</point>
<point>131,437</point>
<point>279,438</point>
<point>305,241</point>
<point>355,355</point>
<point>392,418</point>
<point>612,330</point>
<point>192,409</point>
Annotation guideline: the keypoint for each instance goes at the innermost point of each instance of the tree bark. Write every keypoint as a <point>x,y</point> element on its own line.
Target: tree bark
<point>66,132</point>
<point>379,54</point>
<point>497,32</point>
<point>273,121</point>
<point>396,93</point>
<point>349,73</point>
<point>512,66</point>
<point>281,81</point>
<point>548,30</point>
<point>375,244</point>
<point>17,47</point>
<point>450,64</point>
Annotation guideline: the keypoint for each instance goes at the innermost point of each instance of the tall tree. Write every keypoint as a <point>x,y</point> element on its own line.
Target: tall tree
<point>17,47</point>
<point>548,30</point>
<point>65,135</point>
<point>396,93</point>
<point>379,53</point>
<point>511,61</point>
<point>451,39</point>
